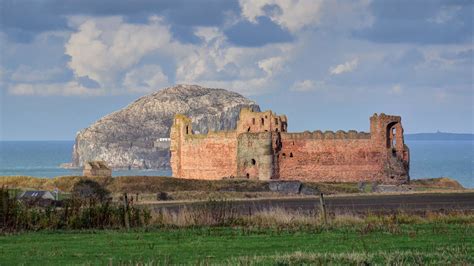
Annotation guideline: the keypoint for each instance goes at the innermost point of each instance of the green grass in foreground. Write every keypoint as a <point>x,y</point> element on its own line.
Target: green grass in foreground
<point>433,243</point>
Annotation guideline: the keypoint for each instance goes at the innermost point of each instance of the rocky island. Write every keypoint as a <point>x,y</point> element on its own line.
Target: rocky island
<point>137,136</point>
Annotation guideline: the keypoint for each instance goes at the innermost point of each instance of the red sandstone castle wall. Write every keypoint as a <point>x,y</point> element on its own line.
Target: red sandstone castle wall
<point>260,151</point>
<point>341,160</point>
<point>211,156</point>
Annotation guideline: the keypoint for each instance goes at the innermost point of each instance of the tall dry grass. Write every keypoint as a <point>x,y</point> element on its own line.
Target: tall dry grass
<point>226,215</point>
<point>63,183</point>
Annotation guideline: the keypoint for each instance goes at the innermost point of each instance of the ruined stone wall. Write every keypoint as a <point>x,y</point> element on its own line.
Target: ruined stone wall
<point>266,151</point>
<point>209,156</point>
<point>325,158</point>
<point>347,156</point>
<point>267,121</point>
<point>202,156</point>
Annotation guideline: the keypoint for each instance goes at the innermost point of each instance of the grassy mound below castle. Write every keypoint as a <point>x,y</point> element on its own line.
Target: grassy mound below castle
<point>191,189</point>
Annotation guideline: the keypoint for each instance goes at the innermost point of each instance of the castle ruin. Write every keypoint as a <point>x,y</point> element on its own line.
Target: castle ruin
<point>261,148</point>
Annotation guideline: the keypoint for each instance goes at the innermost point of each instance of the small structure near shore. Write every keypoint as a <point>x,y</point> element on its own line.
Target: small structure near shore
<point>39,198</point>
<point>96,169</point>
<point>36,195</point>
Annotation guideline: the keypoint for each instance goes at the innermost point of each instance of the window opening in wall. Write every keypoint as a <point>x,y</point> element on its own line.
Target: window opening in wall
<point>187,129</point>
<point>253,120</point>
<point>391,134</point>
<point>266,117</point>
<point>291,154</point>
<point>253,161</point>
<point>276,121</point>
<point>248,129</point>
<point>283,154</point>
<point>248,176</point>
<point>394,137</point>
<point>263,121</point>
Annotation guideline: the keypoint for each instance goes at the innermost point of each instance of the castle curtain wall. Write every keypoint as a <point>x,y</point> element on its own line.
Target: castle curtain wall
<point>315,157</point>
<point>208,156</point>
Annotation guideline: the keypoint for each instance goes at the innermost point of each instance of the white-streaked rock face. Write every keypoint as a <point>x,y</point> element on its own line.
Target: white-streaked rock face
<point>137,136</point>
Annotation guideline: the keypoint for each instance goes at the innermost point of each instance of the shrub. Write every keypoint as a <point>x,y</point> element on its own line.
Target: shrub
<point>90,189</point>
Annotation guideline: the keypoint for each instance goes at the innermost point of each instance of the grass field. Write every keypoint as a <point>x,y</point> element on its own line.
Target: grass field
<point>433,243</point>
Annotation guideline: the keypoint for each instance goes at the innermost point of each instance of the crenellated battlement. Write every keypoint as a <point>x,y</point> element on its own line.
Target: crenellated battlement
<point>328,135</point>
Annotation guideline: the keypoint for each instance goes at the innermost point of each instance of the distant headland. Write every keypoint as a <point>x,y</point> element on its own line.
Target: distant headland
<point>439,136</point>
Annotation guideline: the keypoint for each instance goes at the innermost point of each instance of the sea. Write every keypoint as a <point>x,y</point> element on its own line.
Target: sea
<point>433,158</point>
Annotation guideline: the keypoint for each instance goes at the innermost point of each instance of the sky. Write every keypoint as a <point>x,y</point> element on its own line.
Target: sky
<point>327,65</point>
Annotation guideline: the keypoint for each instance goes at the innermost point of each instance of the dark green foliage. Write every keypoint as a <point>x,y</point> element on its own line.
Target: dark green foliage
<point>75,213</point>
<point>90,189</point>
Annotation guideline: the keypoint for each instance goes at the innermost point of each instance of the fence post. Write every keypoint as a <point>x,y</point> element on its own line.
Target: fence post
<point>5,197</point>
<point>323,208</point>
<point>125,208</point>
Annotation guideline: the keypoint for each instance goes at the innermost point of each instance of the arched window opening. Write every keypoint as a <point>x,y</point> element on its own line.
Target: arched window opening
<point>394,137</point>
<point>248,176</point>
<point>253,161</point>
<point>291,154</point>
<point>187,130</point>
<point>263,121</point>
<point>391,134</point>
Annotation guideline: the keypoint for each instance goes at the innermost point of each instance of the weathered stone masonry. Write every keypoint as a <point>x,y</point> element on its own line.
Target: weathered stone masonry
<point>261,148</point>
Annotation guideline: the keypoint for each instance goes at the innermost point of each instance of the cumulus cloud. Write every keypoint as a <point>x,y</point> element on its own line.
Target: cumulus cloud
<point>217,63</point>
<point>116,55</point>
<point>292,15</point>
<point>145,79</point>
<point>71,88</point>
<point>104,47</point>
<point>345,67</point>
<point>297,15</point>
<point>307,85</point>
